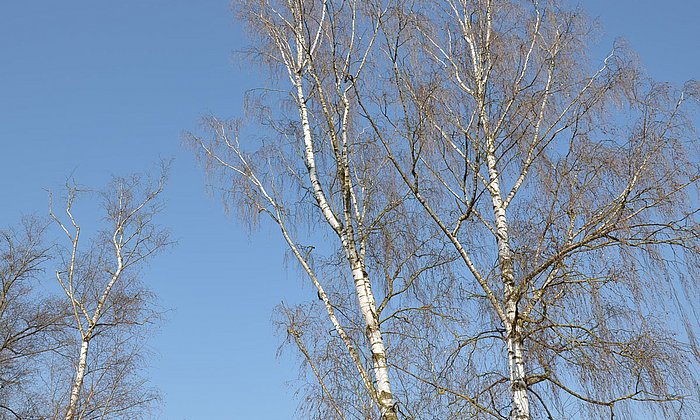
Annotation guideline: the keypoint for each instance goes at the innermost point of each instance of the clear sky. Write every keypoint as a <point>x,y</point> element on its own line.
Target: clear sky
<point>95,88</point>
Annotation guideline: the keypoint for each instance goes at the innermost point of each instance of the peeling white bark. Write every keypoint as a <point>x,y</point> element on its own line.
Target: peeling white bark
<point>310,161</point>
<point>368,308</point>
<point>514,340</point>
<point>363,288</point>
<point>78,383</point>
<point>521,402</point>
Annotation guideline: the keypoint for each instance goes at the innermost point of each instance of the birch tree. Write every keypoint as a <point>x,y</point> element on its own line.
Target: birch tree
<point>315,167</point>
<point>568,190</point>
<point>109,305</point>
<point>520,206</point>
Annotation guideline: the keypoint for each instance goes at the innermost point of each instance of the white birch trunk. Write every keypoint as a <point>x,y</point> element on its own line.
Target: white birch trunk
<point>363,288</point>
<point>481,62</point>
<point>78,383</point>
<point>516,363</point>
<point>521,402</point>
<point>368,308</point>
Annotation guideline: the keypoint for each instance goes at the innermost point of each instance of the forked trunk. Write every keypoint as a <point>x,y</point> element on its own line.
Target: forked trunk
<point>384,396</point>
<point>514,340</point>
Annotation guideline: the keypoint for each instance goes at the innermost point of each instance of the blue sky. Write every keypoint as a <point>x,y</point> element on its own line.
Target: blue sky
<point>96,88</point>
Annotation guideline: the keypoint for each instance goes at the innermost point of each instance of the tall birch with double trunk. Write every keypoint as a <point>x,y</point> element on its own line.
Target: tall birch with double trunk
<point>569,190</point>
<point>108,304</point>
<point>319,168</point>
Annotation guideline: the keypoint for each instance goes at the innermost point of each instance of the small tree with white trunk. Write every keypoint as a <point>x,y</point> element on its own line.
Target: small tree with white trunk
<point>108,303</point>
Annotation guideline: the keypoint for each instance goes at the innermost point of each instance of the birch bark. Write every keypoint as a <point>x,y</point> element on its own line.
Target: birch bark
<point>368,308</point>
<point>363,289</point>
<point>514,339</point>
<point>520,409</point>
<point>79,377</point>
